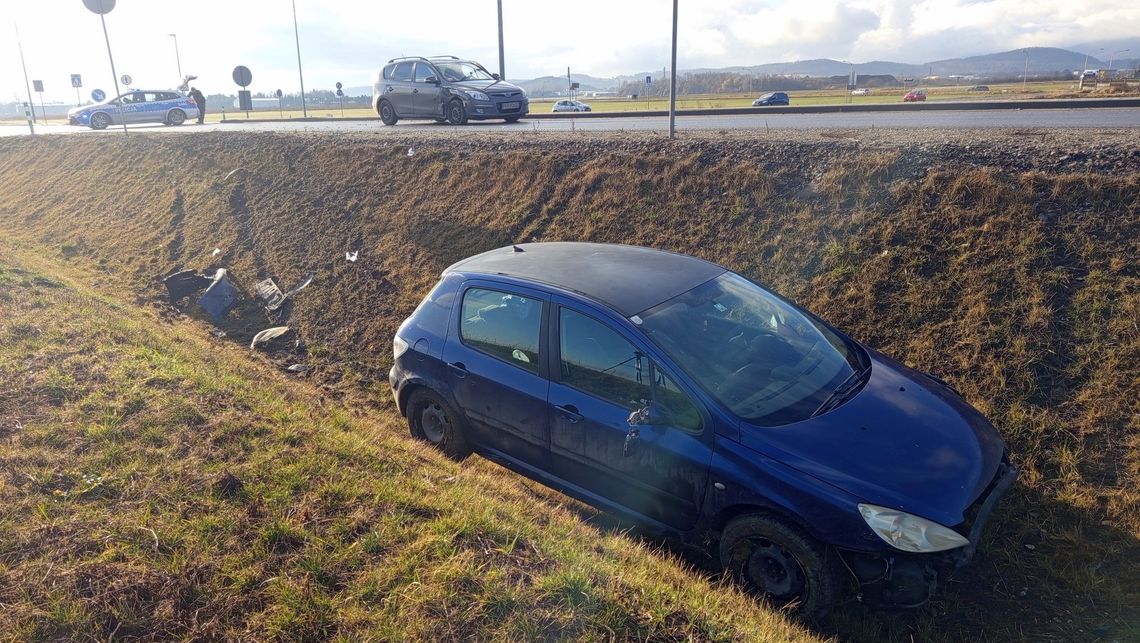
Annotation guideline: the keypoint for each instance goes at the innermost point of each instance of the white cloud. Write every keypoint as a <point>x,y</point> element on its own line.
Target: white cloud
<point>348,40</point>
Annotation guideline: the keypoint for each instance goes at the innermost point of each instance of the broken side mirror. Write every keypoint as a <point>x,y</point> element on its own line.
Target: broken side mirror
<point>495,76</point>
<point>649,415</point>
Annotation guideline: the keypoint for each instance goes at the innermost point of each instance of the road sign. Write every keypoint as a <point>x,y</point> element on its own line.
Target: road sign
<point>38,85</point>
<point>279,93</point>
<point>126,80</point>
<point>338,85</point>
<point>98,95</point>
<point>99,6</point>
<point>648,79</point>
<point>76,80</point>
<point>243,76</point>
<point>339,92</point>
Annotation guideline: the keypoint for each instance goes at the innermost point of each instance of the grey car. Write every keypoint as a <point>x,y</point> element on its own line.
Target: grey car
<point>446,89</point>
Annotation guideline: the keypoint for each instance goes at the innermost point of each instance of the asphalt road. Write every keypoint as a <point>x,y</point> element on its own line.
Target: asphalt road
<point>1116,117</point>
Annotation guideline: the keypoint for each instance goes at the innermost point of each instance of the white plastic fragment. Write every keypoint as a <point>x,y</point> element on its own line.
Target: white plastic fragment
<point>268,334</point>
<point>216,252</point>
<point>411,151</point>
<point>298,368</point>
<point>351,256</point>
<point>300,285</point>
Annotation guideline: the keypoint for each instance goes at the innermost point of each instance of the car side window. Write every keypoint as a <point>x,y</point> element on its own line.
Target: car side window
<point>503,325</point>
<point>403,71</point>
<point>388,72</point>
<point>423,72</point>
<point>681,411</point>
<point>597,360</point>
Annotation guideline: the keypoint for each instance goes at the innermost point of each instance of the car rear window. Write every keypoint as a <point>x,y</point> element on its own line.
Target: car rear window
<point>503,325</point>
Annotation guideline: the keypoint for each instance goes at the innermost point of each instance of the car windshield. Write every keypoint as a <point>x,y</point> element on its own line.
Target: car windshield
<point>760,356</point>
<point>766,96</point>
<point>460,71</point>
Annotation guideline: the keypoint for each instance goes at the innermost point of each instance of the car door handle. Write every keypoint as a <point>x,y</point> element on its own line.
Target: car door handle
<point>459,369</point>
<point>389,88</point>
<point>570,412</point>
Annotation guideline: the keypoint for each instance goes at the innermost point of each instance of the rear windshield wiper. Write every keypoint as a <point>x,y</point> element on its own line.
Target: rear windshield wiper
<point>844,390</point>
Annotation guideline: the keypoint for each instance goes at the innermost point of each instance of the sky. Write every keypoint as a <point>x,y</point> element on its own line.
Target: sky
<point>348,40</point>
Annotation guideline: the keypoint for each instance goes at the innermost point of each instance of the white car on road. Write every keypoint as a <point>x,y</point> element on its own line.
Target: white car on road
<point>570,106</point>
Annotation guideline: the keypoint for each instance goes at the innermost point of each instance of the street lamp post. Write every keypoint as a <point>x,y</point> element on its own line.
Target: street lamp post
<point>103,7</point>
<point>301,74</point>
<point>673,78</point>
<point>502,61</point>
<point>1112,56</point>
<point>177,58</point>
<point>27,85</point>
<point>1025,74</point>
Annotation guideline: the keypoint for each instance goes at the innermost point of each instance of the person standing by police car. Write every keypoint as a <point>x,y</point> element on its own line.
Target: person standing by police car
<point>200,101</point>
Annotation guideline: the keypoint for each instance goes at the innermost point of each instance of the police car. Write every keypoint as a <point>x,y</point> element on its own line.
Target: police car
<point>138,106</point>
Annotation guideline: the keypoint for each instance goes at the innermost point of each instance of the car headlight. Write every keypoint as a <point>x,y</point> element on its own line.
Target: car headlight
<point>908,532</point>
<point>476,95</point>
<point>399,347</point>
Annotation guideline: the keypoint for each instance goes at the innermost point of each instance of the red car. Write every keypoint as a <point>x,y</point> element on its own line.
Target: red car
<point>914,96</point>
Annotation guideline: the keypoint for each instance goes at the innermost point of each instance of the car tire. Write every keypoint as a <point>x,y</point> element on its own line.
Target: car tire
<point>176,117</point>
<point>99,120</point>
<point>456,113</point>
<point>432,420</point>
<point>387,113</point>
<point>777,560</point>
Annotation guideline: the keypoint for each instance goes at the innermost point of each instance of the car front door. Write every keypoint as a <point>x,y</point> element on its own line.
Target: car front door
<point>495,361</point>
<point>426,94</point>
<point>602,377</point>
<point>134,107</point>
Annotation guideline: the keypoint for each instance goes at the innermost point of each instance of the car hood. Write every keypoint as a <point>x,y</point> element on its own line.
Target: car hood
<point>87,108</point>
<point>904,441</point>
<point>484,85</point>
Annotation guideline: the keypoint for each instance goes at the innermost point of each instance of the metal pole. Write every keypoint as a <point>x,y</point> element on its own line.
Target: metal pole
<point>1025,74</point>
<point>119,102</point>
<point>673,78</point>
<point>27,84</point>
<point>301,74</point>
<point>502,60</point>
<point>177,58</point>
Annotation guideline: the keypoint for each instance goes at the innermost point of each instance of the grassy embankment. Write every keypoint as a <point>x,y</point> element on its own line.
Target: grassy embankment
<point>1021,288</point>
<point>157,483</point>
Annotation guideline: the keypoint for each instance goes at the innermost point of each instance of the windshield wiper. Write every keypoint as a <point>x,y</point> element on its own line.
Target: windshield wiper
<point>844,390</point>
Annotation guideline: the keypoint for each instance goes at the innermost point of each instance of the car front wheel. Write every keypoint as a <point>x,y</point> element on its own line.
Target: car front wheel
<point>100,121</point>
<point>456,113</point>
<point>777,560</point>
<point>432,420</point>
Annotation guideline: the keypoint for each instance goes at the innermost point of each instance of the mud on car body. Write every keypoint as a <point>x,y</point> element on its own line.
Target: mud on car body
<point>674,392</point>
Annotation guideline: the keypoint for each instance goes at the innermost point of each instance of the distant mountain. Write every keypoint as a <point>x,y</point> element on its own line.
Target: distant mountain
<point>1006,63</point>
<point>1124,52</point>
<point>557,85</point>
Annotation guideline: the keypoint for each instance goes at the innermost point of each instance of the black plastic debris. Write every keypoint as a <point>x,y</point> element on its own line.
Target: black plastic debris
<point>185,282</point>
<point>219,298</point>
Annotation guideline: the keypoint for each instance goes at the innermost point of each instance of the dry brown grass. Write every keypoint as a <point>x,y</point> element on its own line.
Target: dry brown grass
<point>1020,288</point>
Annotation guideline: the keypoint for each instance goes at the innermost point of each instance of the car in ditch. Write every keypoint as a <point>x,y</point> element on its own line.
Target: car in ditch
<point>445,89</point>
<point>136,106</point>
<point>673,392</point>
<point>771,98</point>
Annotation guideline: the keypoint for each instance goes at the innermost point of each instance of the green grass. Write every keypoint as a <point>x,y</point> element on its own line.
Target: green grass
<point>158,483</point>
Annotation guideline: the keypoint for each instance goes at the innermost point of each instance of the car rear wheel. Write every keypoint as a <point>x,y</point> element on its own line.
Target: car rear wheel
<point>176,117</point>
<point>99,120</point>
<point>456,113</point>
<point>779,561</point>
<point>387,113</point>
<point>432,420</point>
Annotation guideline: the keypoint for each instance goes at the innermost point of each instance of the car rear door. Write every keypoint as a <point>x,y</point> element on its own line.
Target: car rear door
<point>398,89</point>
<point>496,368</point>
<point>602,376</point>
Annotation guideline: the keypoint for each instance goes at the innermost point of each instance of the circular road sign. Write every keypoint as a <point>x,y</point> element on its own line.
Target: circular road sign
<point>243,76</point>
<point>126,80</point>
<point>99,6</point>
<point>340,92</point>
<point>98,95</point>
<point>279,93</point>
<point>338,85</point>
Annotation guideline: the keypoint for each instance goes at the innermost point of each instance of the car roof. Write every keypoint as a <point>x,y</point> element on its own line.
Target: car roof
<point>628,279</point>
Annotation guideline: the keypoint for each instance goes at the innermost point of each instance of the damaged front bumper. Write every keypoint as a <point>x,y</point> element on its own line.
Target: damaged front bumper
<point>900,580</point>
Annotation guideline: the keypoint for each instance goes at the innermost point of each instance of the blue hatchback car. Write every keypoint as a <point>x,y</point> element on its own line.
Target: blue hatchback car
<point>669,390</point>
<point>771,99</point>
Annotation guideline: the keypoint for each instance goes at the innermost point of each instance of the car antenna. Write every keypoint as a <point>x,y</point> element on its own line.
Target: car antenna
<point>517,249</point>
